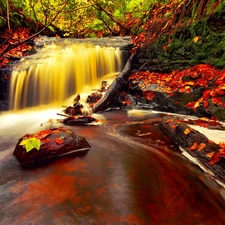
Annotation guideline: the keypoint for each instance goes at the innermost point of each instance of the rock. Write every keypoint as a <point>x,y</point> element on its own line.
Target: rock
<point>48,144</point>
<point>196,144</point>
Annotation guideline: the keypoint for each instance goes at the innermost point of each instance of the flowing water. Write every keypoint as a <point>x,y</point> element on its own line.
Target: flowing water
<point>133,174</point>
<point>58,71</point>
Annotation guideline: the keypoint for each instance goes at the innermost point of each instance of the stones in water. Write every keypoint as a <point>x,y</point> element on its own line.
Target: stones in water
<point>46,145</point>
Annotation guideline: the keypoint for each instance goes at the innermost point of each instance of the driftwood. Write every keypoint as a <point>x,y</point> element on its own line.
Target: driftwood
<point>186,137</point>
<point>113,91</point>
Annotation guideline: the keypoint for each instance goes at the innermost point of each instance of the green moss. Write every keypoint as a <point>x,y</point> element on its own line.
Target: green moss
<point>218,112</point>
<point>195,44</point>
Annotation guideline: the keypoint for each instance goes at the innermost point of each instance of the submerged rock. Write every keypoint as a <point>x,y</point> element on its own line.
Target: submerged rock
<point>48,144</point>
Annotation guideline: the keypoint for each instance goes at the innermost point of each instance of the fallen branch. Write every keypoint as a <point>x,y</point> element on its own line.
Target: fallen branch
<point>113,91</point>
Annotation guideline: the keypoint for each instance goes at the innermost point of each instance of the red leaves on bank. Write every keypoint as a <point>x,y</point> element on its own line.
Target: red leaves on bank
<point>217,156</point>
<point>14,38</point>
<point>184,81</point>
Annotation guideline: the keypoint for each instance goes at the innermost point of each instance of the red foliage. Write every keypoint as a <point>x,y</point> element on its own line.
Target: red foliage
<point>59,141</point>
<point>184,82</point>
<point>13,38</point>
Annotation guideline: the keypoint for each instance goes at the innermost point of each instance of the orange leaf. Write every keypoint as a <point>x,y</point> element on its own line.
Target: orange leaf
<point>42,134</point>
<point>214,159</point>
<point>45,140</point>
<point>196,39</point>
<point>173,125</point>
<point>59,141</point>
<point>201,146</point>
<point>210,155</point>
<point>188,130</point>
<point>194,146</point>
<point>222,145</point>
<point>190,104</point>
<point>169,120</point>
<point>194,74</point>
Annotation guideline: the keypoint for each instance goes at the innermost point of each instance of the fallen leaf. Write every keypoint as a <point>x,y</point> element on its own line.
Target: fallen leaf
<point>201,146</point>
<point>187,131</point>
<point>31,143</point>
<point>194,146</point>
<point>196,39</point>
<point>59,141</point>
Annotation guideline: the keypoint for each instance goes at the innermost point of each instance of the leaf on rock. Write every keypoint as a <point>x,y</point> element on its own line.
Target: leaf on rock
<point>42,134</point>
<point>31,143</point>
<point>174,125</point>
<point>59,141</point>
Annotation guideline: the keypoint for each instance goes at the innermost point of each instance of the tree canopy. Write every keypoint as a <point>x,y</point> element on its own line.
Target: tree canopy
<point>147,21</point>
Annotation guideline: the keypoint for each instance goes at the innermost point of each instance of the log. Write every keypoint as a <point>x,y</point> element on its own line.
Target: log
<point>113,91</point>
<point>176,131</point>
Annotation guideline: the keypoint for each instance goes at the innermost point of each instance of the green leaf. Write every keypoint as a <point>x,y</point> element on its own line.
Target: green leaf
<point>31,143</point>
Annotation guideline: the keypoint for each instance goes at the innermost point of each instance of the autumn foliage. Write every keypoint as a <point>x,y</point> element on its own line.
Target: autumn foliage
<point>34,141</point>
<point>185,81</point>
<point>169,18</point>
<point>14,38</point>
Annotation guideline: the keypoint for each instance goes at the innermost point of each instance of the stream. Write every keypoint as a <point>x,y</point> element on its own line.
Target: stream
<point>133,174</point>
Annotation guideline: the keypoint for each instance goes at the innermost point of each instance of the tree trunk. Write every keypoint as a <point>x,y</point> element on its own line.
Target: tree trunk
<point>113,90</point>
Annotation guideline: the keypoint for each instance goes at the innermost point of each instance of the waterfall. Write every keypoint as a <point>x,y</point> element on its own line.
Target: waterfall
<point>57,72</point>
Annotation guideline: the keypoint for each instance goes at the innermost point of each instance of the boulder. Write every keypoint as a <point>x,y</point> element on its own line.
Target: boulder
<point>48,144</point>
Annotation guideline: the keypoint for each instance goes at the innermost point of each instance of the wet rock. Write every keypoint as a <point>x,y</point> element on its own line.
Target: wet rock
<point>4,87</point>
<point>47,145</point>
<point>196,144</point>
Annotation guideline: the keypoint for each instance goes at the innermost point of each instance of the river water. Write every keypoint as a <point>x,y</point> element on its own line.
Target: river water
<point>132,175</point>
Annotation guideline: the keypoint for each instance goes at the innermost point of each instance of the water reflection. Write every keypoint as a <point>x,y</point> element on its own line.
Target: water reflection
<point>125,178</point>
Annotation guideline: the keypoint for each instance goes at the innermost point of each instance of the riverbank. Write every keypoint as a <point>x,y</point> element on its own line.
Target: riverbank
<point>197,91</point>
<point>203,146</point>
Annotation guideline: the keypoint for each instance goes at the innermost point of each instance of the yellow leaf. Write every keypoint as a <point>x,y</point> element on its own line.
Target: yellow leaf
<point>187,131</point>
<point>196,39</point>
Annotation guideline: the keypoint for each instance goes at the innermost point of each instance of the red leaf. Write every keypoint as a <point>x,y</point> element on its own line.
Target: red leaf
<point>149,95</point>
<point>45,140</point>
<point>217,101</point>
<point>59,141</point>
<point>42,134</point>
<point>214,158</point>
<point>205,104</point>
<point>194,146</point>
<point>174,125</point>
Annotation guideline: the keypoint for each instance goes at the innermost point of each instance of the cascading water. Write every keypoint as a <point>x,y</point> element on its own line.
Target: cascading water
<point>56,72</point>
